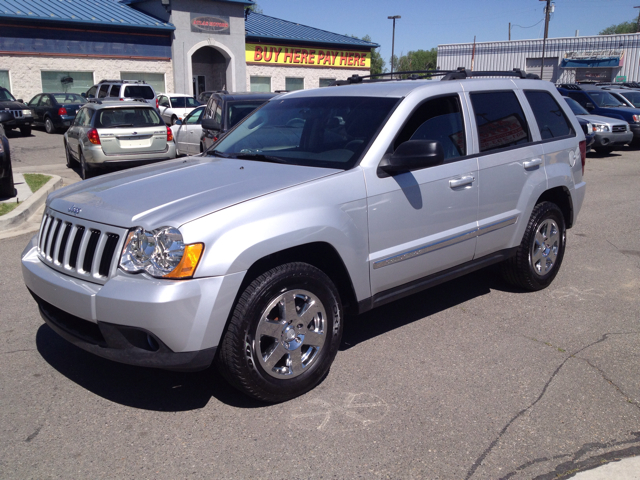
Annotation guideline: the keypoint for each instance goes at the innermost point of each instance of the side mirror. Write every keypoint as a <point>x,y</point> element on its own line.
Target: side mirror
<point>590,106</point>
<point>413,155</point>
<point>19,100</point>
<point>5,117</point>
<point>211,124</point>
<point>84,95</point>
<point>178,122</point>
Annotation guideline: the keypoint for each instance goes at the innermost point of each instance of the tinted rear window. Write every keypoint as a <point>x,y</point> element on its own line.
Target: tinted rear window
<point>127,117</point>
<point>138,91</point>
<point>69,98</point>
<point>239,110</point>
<point>184,102</point>
<point>550,118</point>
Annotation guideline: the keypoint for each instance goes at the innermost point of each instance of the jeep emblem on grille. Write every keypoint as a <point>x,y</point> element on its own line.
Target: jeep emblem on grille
<point>74,210</point>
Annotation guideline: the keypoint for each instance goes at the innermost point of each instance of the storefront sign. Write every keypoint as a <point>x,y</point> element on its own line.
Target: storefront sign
<point>621,78</point>
<point>209,24</point>
<point>264,54</point>
<point>594,74</point>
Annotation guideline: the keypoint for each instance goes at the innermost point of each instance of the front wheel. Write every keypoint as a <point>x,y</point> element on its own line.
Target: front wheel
<point>25,131</point>
<point>603,150</point>
<point>540,254</point>
<point>284,333</point>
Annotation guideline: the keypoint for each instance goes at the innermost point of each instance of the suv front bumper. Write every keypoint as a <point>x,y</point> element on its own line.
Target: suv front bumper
<point>612,139</point>
<point>135,319</point>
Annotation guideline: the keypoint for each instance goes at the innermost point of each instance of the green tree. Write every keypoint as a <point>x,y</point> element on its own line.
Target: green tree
<point>254,8</point>
<point>416,60</point>
<point>377,63</point>
<point>624,27</point>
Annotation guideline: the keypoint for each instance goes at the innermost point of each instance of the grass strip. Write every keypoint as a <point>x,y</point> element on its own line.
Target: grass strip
<point>7,207</point>
<point>36,180</point>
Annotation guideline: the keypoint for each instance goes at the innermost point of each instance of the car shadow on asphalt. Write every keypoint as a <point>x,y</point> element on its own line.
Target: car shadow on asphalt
<point>407,310</point>
<point>166,391</point>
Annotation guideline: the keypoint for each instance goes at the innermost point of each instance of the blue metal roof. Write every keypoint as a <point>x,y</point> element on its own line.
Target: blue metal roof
<point>264,27</point>
<point>87,12</point>
<point>243,2</point>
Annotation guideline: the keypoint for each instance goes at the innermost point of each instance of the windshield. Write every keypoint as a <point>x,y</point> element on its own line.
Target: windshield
<point>184,102</point>
<point>605,99</point>
<point>127,117</point>
<point>575,107</point>
<point>330,132</point>
<point>239,110</point>
<point>6,96</point>
<point>69,98</point>
<point>633,97</point>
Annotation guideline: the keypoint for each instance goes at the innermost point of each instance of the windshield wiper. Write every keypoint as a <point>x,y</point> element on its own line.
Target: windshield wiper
<point>218,153</point>
<point>260,157</point>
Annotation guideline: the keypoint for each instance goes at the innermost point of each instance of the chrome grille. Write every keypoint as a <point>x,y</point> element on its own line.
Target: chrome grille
<point>80,248</point>
<point>16,113</point>
<point>619,128</point>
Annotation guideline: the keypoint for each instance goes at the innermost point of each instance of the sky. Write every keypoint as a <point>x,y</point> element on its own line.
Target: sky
<point>425,24</point>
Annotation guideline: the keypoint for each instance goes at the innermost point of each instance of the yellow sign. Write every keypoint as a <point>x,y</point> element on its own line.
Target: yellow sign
<point>264,54</point>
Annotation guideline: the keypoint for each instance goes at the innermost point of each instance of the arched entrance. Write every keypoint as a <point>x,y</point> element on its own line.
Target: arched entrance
<point>209,70</point>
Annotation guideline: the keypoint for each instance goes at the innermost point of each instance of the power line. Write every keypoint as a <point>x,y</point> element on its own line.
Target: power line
<point>514,25</point>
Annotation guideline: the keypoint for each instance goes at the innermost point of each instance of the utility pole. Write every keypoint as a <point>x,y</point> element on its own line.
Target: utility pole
<point>393,39</point>
<point>638,22</point>
<point>509,31</point>
<point>546,33</point>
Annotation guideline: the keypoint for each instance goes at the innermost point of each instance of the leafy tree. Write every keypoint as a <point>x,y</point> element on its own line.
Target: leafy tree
<point>624,27</point>
<point>377,63</point>
<point>254,8</point>
<point>416,60</point>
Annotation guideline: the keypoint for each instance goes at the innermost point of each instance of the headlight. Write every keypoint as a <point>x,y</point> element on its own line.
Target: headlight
<point>590,128</point>
<point>598,127</point>
<point>160,253</point>
<point>26,113</point>
<point>636,118</point>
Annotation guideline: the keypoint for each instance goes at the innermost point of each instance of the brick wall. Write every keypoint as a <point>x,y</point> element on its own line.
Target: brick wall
<point>26,81</point>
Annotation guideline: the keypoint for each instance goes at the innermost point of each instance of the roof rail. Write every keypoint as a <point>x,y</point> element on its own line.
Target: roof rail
<point>570,86</point>
<point>120,81</point>
<point>459,74</point>
<point>631,84</point>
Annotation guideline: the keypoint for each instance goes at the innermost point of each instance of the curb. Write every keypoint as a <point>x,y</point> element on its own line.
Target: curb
<point>30,205</point>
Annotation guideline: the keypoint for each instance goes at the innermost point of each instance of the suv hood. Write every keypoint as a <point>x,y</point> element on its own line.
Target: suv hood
<point>601,119</point>
<point>174,192</point>
<point>11,105</point>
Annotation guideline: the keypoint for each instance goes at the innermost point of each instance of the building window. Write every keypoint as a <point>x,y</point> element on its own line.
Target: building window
<point>260,84</point>
<point>291,84</point>
<point>4,79</point>
<point>326,82</point>
<point>156,80</point>
<point>63,82</point>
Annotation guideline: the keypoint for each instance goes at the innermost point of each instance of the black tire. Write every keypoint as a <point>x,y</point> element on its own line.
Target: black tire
<point>540,254</point>
<point>49,127</point>
<point>67,155</point>
<point>85,170</point>
<point>25,131</point>
<point>603,150</point>
<point>7,188</point>
<point>268,367</point>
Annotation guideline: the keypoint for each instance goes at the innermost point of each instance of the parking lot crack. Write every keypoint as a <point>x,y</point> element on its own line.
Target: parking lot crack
<point>611,382</point>
<point>495,441</point>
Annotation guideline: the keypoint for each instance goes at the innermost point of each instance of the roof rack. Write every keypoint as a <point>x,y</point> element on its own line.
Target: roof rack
<point>121,81</point>
<point>631,84</point>
<point>459,74</point>
<point>570,86</point>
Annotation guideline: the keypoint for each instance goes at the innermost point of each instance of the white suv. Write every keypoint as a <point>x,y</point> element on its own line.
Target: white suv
<point>320,203</point>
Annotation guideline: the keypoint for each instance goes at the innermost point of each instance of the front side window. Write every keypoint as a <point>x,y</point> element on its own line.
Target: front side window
<point>331,132</point>
<point>34,101</point>
<point>550,118</point>
<point>579,97</point>
<point>91,93</point>
<point>195,116</point>
<point>575,107</point>
<point>500,120</point>
<point>163,102</point>
<point>260,84</point>
<point>439,119</point>
<point>633,97</point>
<point>605,99</point>
<point>127,117</point>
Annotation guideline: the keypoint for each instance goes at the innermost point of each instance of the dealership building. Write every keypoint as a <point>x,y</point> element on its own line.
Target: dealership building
<point>181,46</point>
<point>601,58</point>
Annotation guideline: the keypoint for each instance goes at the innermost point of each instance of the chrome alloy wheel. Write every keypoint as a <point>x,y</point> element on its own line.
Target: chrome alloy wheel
<point>290,333</point>
<point>545,247</point>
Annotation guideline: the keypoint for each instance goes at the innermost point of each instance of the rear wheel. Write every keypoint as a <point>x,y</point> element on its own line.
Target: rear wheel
<point>7,188</point>
<point>284,333</point>
<point>67,155</point>
<point>85,170</point>
<point>540,254</point>
<point>48,126</point>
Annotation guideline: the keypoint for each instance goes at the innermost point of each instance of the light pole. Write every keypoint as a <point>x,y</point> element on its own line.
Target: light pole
<point>393,39</point>
<point>546,33</point>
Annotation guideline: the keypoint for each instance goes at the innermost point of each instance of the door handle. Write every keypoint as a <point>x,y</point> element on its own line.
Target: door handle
<point>536,162</point>
<point>461,182</point>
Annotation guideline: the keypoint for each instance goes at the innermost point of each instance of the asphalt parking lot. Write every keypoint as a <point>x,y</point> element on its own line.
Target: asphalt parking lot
<point>472,379</point>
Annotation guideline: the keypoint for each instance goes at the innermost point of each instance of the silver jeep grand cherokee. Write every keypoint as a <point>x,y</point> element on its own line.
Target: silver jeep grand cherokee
<point>319,203</point>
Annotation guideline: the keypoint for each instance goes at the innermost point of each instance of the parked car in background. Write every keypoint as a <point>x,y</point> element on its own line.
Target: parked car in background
<point>629,96</point>
<point>108,135</point>
<point>7,188</point>
<point>21,116</point>
<point>610,133</point>
<point>187,133</point>
<point>600,102</point>
<point>225,110</point>
<point>55,111</point>
<point>589,132</point>
<point>123,90</point>
<point>175,106</point>
<point>203,98</point>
